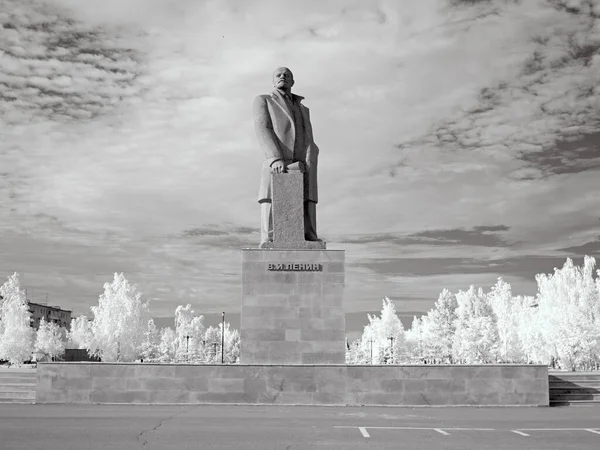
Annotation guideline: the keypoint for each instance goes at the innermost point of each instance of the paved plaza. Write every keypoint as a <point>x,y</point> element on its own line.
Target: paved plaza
<point>64,427</point>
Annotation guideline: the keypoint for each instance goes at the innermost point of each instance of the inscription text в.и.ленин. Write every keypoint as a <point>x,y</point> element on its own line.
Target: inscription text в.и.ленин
<point>295,267</point>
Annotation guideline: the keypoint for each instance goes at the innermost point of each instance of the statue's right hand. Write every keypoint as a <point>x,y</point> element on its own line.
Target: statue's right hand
<point>278,167</point>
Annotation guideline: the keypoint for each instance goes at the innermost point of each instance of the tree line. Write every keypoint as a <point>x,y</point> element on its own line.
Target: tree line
<point>121,330</point>
<point>559,326</point>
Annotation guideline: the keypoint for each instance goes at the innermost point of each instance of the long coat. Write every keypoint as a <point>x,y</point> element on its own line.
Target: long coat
<point>276,132</point>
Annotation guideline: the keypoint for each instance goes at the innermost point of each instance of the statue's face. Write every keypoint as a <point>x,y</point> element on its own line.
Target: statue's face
<point>283,78</point>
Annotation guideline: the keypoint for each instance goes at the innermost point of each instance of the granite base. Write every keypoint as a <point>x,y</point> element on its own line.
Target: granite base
<point>489,385</point>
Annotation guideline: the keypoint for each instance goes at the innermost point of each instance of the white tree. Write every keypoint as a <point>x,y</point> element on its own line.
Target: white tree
<point>385,334</point>
<point>212,345</point>
<point>569,309</point>
<point>196,350</point>
<point>416,340</point>
<point>149,350</point>
<point>476,337</point>
<point>49,339</point>
<point>120,321</point>
<point>365,353</point>
<point>189,331</point>
<point>80,336</point>
<point>529,324</point>
<point>506,309</point>
<point>439,327</point>
<point>16,341</point>
<point>357,353</point>
<point>168,345</point>
<point>232,345</point>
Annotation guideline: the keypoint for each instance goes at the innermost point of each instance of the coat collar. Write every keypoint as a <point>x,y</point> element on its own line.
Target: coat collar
<point>278,93</point>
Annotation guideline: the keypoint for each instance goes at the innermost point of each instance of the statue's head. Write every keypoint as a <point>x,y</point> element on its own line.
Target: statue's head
<point>283,78</point>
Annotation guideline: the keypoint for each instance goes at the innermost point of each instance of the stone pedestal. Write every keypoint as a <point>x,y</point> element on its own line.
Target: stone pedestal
<point>288,213</point>
<point>288,208</point>
<point>292,307</point>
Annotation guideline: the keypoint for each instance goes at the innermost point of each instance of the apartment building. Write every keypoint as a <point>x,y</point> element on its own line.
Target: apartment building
<point>55,314</point>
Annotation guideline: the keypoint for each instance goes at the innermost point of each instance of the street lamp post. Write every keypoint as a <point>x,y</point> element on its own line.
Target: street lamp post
<point>223,339</point>
<point>187,348</point>
<point>391,348</point>
<point>371,341</point>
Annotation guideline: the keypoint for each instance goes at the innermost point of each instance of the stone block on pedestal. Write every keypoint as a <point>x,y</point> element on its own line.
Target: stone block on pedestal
<point>292,307</point>
<point>288,213</point>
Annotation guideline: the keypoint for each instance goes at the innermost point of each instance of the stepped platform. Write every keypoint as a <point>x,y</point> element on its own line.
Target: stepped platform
<point>17,385</point>
<point>277,384</point>
<point>574,388</point>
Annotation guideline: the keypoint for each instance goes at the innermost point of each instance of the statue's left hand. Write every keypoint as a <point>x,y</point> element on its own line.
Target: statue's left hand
<point>278,167</point>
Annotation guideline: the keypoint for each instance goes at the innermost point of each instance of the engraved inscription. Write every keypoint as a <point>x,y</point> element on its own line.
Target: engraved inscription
<point>295,267</point>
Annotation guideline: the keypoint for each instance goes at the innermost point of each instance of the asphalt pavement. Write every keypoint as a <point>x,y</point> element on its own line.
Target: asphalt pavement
<point>94,427</point>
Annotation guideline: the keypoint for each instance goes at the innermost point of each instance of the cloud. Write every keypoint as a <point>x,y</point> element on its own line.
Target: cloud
<point>56,68</point>
<point>489,236</point>
<point>457,140</point>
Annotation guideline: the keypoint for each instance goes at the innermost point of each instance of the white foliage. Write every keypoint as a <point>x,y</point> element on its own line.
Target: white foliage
<point>16,341</point>
<point>384,336</point>
<point>476,337</point>
<point>560,326</point>
<point>167,345</point>
<point>529,328</point>
<point>506,310</point>
<point>149,350</point>
<point>416,340</point>
<point>189,331</point>
<point>212,347</point>
<point>120,321</point>
<point>439,327</point>
<point>80,336</point>
<point>49,339</point>
<point>357,353</point>
<point>569,312</point>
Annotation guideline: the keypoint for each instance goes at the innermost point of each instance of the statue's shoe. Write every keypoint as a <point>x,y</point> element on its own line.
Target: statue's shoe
<point>312,237</point>
<point>265,244</point>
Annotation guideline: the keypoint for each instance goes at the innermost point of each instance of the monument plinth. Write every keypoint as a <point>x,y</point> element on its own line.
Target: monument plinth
<point>292,307</point>
<point>292,290</point>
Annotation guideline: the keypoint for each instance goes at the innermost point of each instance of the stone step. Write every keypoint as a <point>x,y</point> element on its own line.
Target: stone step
<point>17,370</point>
<point>574,377</point>
<point>584,383</point>
<point>574,396</point>
<point>18,380</point>
<point>574,381</point>
<point>576,403</point>
<point>11,387</point>
<point>574,389</point>
<point>26,395</point>
<point>18,401</point>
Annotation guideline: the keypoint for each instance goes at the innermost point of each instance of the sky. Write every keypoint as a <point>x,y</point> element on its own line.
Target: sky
<point>459,143</point>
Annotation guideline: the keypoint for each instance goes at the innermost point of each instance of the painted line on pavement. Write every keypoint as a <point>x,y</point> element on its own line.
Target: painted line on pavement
<point>555,429</point>
<point>519,432</point>
<point>469,429</point>
<point>444,431</point>
<point>364,432</point>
